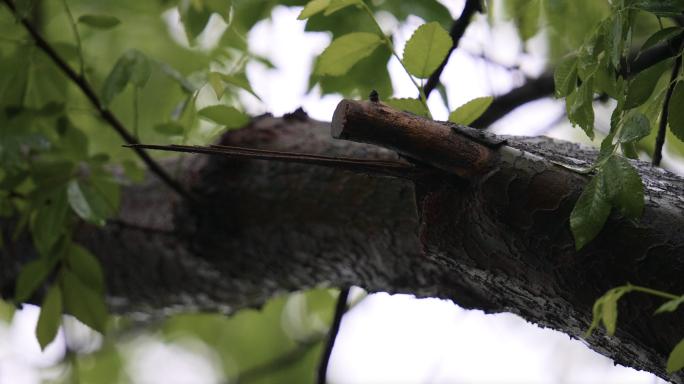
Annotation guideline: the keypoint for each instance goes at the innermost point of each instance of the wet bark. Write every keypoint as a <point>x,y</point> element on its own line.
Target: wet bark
<point>489,230</point>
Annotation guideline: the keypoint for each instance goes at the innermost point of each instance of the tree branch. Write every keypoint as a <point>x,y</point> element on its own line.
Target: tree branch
<point>457,30</point>
<point>543,86</point>
<point>381,168</point>
<point>106,114</point>
<point>660,139</point>
<point>340,309</point>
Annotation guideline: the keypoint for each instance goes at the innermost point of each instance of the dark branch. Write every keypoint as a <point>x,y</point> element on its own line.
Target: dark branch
<point>382,168</point>
<point>543,86</point>
<point>340,309</point>
<point>106,114</point>
<point>660,139</point>
<point>457,30</point>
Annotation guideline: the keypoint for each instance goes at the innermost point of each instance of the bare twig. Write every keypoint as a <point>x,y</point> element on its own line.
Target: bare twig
<point>457,30</point>
<point>106,114</point>
<point>660,139</point>
<point>382,168</point>
<point>340,309</point>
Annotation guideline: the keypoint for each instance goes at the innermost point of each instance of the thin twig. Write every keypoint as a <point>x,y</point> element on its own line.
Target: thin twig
<point>662,129</point>
<point>106,114</point>
<point>457,30</point>
<point>340,309</point>
<point>381,168</point>
<point>77,36</point>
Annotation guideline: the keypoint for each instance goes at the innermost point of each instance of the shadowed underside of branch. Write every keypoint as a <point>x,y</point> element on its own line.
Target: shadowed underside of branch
<point>488,229</point>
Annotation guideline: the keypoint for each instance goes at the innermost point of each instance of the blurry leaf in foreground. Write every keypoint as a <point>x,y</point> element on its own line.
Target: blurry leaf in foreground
<point>99,21</point>
<point>225,115</point>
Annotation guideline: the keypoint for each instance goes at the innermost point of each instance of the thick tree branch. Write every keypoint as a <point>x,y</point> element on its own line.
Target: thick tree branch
<point>457,30</point>
<point>488,230</point>
<point>105,113</point>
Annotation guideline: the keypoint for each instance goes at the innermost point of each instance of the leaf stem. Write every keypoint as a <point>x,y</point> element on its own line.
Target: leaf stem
<point>135,112</point>
<point>76,35</point>
<point>106,114</point>
<point>660,139</point>
<point>389,44</point>
<point>653,292</point>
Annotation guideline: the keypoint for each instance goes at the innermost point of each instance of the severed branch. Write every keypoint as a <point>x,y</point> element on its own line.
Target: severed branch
<point>106,114</point>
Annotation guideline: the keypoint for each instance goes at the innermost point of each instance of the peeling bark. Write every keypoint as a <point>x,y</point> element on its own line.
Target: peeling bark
<point>489,234</point>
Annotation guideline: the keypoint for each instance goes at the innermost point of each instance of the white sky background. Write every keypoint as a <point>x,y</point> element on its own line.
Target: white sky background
<point>384,339</point>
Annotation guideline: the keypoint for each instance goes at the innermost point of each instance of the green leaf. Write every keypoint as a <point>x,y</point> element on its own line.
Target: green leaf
<point>426,49</point>
<point>30,278</point>
<point>141,68</point>
<point>133,67</point>
<point>644,83</point>
<point>131,169</point>
<point>106,186</point>
<point>623,188</point>
<point>170,129</point>
<point>73,142</point>
<point>87,267</point>
<point>336,5</point>
<point>49,221</point>
<point>565,77</point>
<point>239,80</point>
<point>86,305</point>
<point>582,110</point>
<point>87,204</point>
<point>653,110</point>
<point>99,21</point>
<point>194,17</point>
<point>670,306</point>
<point>590,212</point>
<point>605,81</point>
<point>410,105</point>
<point>615,39</point>
<point>220,7</point>
<point>50,317</point>
<point>214,79</point>
<point>636,128</point>
<point>659,37</point>
<point>605,153</point>
<point>605,309</point>
<point>609,311</point>
<point>225,115</point>
<point>661,8</point>
<point>185,84</point>
<point>313,7</point>
<point>675,112</point>
<point>588,57</point>
<point>676,360</point>
<point>346,51</point>
<point>629,150</point>
<point>470,111</point>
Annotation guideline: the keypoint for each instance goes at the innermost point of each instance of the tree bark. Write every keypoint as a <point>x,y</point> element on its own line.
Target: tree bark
<point>489,230</point>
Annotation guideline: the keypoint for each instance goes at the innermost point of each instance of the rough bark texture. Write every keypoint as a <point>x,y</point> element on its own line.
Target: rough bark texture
<point>498,240</point>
